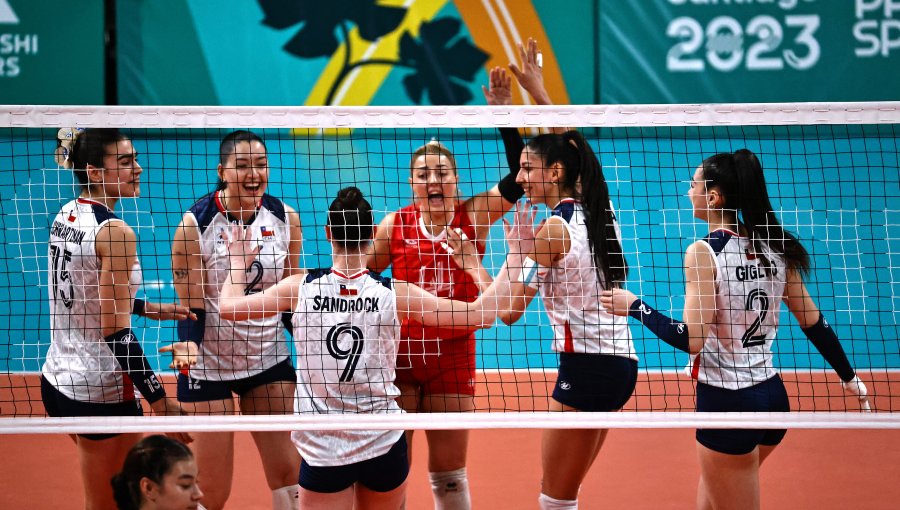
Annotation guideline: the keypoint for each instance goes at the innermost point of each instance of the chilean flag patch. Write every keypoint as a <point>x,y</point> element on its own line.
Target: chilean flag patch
<point>348,291</point>
<point>266,232</point>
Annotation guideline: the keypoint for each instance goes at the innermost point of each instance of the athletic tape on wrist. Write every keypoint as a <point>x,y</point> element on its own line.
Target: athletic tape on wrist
<point>532,273</point>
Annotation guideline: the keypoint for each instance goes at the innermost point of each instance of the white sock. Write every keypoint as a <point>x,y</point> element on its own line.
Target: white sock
<point>548,503</point>
<point>451,490</point>
<point>285,498</point>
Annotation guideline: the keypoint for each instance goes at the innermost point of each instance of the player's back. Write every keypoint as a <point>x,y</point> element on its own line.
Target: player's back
<point>749,291</point>
<point>570,291</point>
<point>78,362</point>
<point>346,330</point>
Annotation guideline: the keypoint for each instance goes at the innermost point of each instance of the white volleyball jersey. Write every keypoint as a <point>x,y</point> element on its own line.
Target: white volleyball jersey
<point>346,330</point>
<point>79,363</point>
<point>570,290</point>
<point>749,291</point>
<point>237,350</point>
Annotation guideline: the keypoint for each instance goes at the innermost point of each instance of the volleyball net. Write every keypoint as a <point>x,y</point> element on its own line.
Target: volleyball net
<point>832,170</point>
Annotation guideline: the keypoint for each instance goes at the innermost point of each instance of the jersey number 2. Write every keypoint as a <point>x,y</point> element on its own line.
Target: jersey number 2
<point>757,301</point>
<point>253,286</point>
<point>352,354</point>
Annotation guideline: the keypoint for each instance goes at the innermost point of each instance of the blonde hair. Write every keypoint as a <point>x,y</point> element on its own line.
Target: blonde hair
<point>433,147</point>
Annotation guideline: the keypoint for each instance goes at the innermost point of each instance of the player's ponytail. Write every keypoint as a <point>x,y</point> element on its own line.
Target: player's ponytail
<point>152,458</point>
<point>79,148</point>
<point>739,177</point>
<point>583,177</point>
<point>350,218</point>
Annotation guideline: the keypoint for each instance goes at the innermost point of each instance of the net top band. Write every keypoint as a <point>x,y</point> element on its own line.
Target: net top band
<point>609,116</point>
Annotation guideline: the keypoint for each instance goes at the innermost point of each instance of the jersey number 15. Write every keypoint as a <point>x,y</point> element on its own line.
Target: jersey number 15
<point>59,259</point>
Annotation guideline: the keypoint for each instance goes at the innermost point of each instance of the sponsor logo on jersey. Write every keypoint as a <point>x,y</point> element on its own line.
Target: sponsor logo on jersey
<point>645,309</point>
<point>348,291</point>
<point>127,339</point>
<point>564,385</point>
<point>680,328</point>
<point>411,242</point>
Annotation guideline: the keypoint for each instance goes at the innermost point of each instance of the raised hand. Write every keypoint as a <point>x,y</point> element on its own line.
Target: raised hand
<point>520,234</point>
<point>462,249</point>
<point>242,249</point>
<point>500,91</point>
<point>531,75</point>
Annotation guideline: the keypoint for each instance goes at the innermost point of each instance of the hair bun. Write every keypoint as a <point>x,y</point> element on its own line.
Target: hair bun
<point>65,140</point>
<point>349,197</point>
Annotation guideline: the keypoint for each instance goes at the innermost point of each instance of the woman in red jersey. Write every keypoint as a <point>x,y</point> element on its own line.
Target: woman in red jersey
<point>436,366</point>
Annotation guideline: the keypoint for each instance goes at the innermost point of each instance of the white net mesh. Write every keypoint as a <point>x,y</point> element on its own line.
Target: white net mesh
<point>832,173</point>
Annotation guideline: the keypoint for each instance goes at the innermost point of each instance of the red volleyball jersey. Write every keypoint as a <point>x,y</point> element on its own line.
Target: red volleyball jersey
<point>417,257</point>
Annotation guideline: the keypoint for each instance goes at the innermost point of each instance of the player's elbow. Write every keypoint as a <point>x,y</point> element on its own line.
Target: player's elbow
<point>229,310</point>
<point>695,345</point>
<point>509,317</point>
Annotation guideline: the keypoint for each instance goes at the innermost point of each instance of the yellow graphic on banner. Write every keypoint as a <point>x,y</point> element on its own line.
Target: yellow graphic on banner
<point>362,83</point>
<point>496,26</point>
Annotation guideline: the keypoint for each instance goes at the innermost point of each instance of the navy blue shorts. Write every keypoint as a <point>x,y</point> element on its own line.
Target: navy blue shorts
<point>593,382</point>
<point>768,396</point>
<point>381,474</point>
<point>197,390</point>
<point>59,405</point>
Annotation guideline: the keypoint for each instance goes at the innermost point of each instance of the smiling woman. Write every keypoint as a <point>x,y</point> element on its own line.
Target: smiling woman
<point>95,362</point>
<point>220,358</point>
<point>436,365</point>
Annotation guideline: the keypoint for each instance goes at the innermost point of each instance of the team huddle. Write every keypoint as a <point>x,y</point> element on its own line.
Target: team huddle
<point>366,343</point>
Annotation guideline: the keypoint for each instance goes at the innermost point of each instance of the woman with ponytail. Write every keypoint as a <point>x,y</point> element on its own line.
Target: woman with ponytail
<point>571,258</point>
<point>737,277</point>
<point>158,474</point>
